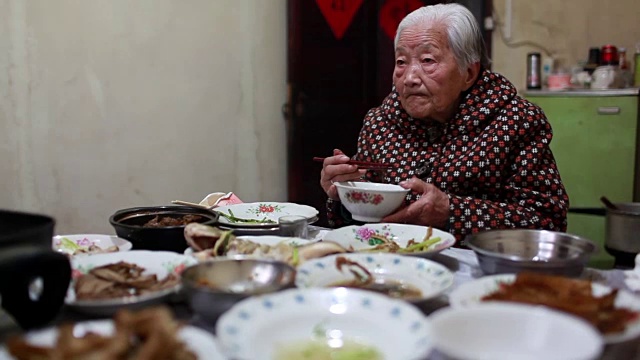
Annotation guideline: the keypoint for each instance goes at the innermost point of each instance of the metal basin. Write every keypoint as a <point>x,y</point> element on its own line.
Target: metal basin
<point>541,251</point>
<point>213,287</point>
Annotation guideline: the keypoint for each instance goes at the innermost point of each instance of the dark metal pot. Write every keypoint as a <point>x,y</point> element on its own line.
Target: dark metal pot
<point>129,224</point>
<point>623,228</point>
<point>33,278</point>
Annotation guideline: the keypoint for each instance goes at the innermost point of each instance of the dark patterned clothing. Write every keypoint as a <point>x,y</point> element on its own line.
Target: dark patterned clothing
<point>492,159</point>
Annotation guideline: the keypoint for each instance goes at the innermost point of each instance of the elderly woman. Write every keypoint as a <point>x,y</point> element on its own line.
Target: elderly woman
<point>473,152</point>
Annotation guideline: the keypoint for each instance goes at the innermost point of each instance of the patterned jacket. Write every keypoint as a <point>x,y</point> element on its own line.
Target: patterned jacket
<point>492,159</point>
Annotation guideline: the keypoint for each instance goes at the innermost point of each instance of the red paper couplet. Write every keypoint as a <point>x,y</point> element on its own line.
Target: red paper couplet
<point>393,11</point>
<point>339,14</point>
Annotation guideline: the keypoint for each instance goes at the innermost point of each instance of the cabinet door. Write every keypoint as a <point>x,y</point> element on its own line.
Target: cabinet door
<point>594,144</point>
<point>595,152</point>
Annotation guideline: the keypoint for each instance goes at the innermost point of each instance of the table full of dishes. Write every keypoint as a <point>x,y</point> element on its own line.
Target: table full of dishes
<point>254,281</point>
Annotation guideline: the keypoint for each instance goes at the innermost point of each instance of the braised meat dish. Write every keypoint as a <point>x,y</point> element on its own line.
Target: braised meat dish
<point>569,295</point>
<point>163,221</point>
<point>119,280</point>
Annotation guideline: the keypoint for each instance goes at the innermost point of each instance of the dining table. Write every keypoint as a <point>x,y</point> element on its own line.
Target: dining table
<point>461,262</point>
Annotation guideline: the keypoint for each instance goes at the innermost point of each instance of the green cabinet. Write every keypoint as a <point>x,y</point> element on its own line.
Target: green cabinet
<point>595,145</point>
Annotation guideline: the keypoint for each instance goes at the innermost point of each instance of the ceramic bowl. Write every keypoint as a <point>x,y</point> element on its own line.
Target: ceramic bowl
<point>363,238</point>
<point>471,293</point>
<point>197,340</point>
<point>262,326</point>
<point>70,244</point>
<point>370,202</point>
<point>429,277</point>
<point>261,215</point>
<point>159,263</point>
<point>513,331</point>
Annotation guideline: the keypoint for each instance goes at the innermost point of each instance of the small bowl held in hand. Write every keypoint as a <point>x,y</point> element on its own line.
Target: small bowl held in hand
<point>370,202</point>
<point>214,286</point>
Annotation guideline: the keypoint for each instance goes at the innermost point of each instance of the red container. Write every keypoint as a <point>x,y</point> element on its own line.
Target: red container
<point>609,55</point>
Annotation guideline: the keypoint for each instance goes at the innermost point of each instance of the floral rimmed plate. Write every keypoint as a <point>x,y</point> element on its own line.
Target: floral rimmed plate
<point>202,343</point>
<point>429,277</point>
<point>269,212</point>
<point>471,293</point>
<point>362,237</point>
<point>259,327</point>
<point>69,244</point>
<point>160,263</point>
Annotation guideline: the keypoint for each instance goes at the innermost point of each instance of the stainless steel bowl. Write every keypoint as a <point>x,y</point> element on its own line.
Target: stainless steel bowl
<point>541,251</point>
<point>214,286</point>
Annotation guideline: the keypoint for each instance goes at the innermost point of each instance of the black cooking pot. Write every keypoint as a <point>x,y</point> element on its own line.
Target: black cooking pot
<point>33,278</point>
<point>130,224</point>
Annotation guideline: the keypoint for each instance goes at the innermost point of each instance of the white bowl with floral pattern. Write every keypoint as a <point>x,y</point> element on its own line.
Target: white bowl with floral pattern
<point>366,237</point>
<point>262,214</point>
<point>430,278</point>
<point>368,201</point>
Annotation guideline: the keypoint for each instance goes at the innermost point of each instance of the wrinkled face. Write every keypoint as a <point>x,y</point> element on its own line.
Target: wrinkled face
<point>426,73</point>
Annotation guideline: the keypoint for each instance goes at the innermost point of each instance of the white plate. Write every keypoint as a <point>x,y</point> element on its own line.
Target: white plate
<point>261,210</point>
<point>160,263</point>
<point>511,331</point>
<point>86,240</point>
<point>267,240</point>
<point>471,293</point>
<point>255,327</point>
<point>202,343</point>
<point>357,237</point>
<point>431,278</point>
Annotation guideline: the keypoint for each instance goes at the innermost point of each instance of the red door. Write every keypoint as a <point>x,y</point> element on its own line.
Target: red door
<point>340,63</point>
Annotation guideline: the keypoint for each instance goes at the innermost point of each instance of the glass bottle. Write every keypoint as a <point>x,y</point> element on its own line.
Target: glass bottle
<point>622,59</point>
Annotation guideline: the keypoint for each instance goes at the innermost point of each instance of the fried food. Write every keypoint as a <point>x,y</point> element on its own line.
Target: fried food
<point>145,335</point>
<point>119,280</point>
<point>568,295</point>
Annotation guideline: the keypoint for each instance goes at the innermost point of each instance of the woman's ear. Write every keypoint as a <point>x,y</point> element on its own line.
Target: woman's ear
<point>471,75</point>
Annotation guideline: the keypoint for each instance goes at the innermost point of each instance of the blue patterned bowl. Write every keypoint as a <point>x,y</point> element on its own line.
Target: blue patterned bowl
<point>261,327</point>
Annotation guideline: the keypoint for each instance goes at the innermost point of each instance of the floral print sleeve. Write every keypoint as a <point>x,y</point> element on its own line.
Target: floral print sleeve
<point>493,159</point>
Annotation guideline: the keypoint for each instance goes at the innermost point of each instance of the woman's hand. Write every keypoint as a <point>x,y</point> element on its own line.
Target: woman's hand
<point>335,168</point>
<point>431,209</point>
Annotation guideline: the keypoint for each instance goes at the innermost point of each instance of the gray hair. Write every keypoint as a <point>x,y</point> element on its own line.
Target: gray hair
<point>465,37</point>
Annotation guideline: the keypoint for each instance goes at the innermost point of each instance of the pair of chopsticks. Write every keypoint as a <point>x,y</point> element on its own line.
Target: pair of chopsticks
<point>361,164</point>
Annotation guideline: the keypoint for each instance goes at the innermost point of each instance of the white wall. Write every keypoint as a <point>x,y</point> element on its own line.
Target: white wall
<point>119,103</point>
